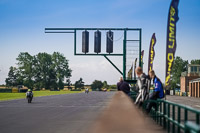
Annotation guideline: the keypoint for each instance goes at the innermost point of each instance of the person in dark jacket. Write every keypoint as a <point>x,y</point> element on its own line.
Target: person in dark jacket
<point>158,92</point>
<point>123,86</point>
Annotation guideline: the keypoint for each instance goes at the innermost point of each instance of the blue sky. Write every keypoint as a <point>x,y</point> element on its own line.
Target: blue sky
<point>22,24</point>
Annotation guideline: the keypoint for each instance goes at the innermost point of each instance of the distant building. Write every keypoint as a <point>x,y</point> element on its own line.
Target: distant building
<point>194,87</point>
<point>69,87</point>
<point>22,88</point>
<point>192,73</point>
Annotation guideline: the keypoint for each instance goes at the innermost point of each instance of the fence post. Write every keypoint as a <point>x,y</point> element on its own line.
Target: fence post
<point>160,113</point>
<point>157,103</point>
<point>186,114</point>
<point>164,119</point>
<point>197,118</point>
<point>179,118</point>
<point>173,117</point>
<point>168,115</point>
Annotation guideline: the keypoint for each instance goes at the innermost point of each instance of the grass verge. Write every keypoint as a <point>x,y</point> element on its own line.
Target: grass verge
<point>12,96</point>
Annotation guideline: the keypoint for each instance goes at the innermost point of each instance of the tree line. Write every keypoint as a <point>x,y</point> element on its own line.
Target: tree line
<point>98,85</point>
<point>49,71</point>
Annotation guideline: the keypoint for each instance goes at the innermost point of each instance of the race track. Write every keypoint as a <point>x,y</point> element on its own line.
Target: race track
<point>70,113</point>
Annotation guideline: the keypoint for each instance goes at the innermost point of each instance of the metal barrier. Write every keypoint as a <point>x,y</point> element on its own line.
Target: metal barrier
<point>133,95</point>
<point>190,127</point>
<point>170,115</point>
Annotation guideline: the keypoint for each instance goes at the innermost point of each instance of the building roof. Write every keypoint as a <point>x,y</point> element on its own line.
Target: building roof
<point>193,65</point>
<point>195,80</point>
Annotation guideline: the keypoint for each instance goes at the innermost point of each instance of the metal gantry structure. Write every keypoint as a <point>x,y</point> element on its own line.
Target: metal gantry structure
<point>124,51</point>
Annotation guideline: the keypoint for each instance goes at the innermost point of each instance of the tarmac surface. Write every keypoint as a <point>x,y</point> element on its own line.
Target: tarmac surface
<point>188,101</point>
<point>96,112</point>
<point>70,113</point>
<point>185,101</point>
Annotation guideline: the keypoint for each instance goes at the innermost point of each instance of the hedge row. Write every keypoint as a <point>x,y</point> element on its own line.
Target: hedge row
<point>6,90</point>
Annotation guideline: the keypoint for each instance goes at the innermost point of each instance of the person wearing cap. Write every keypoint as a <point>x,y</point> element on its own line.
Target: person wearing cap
<point>123,86</point>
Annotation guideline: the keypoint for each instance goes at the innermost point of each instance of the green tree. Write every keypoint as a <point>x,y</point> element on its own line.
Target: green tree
<point>61,67</point>
<point>97,84</point>
<point>113,87</point>
<point>68,83</point>
<point>105,84</point>
<point>12,77</point>
<point>79,84</point>
<point>26,67</point>
<point>40,71</point>
<point>196,62</point>
<point>179,66</point>
<point>44,73</point>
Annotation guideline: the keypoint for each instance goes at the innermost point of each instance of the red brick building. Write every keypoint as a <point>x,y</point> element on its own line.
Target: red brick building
<point>192,73</point>
<point>194,88</point>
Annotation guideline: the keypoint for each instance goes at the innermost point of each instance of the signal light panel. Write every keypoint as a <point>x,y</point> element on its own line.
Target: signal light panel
<point>97,41</point>
<point>85,41</point>
<point>109,42</point>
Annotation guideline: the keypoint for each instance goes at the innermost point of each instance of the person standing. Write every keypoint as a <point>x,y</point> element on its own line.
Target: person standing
<point>158,92</point>
<point>123,86</point>
<point>142,86</point>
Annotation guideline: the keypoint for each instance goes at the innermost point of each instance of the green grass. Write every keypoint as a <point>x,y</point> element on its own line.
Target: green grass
<point>12,96</point>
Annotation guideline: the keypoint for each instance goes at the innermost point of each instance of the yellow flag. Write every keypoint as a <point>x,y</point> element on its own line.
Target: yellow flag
<point>130,72</point>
